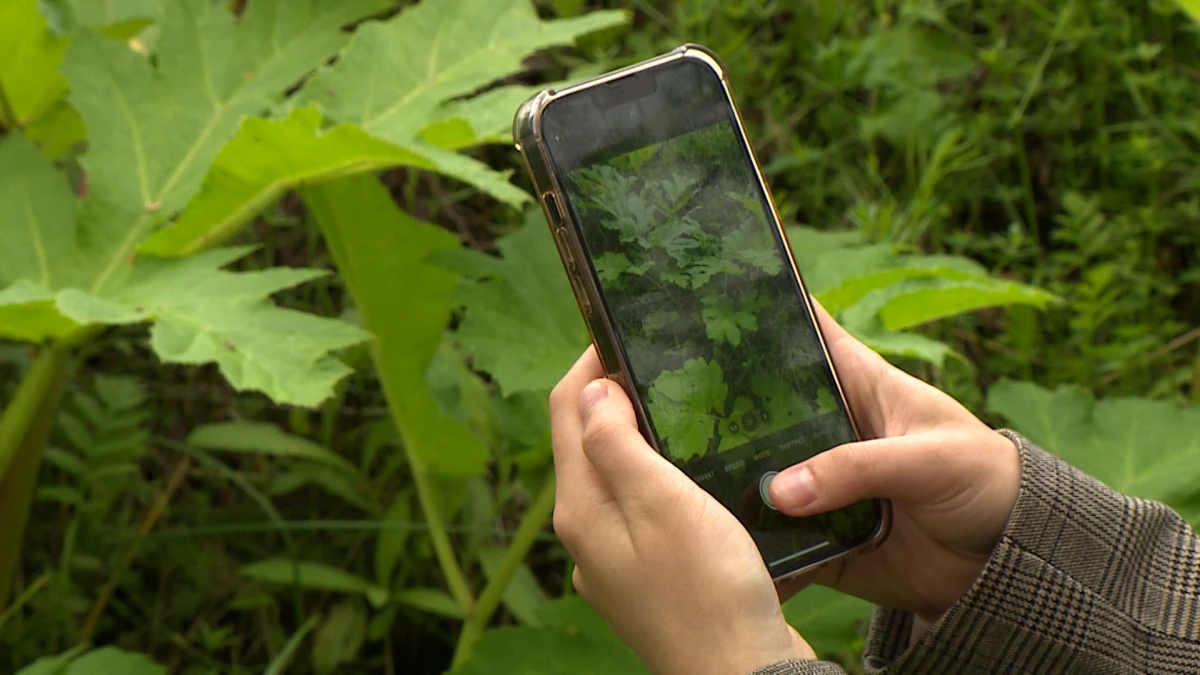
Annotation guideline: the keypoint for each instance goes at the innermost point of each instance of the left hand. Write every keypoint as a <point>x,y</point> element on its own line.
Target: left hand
<point>675,574</point>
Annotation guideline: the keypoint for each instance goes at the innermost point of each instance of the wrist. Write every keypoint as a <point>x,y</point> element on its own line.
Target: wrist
<point>746,653</point>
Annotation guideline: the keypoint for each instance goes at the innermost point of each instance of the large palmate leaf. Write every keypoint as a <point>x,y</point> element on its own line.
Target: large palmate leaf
<point>30,54</point>
<point>67,269</point>
<point>270,157</point>
<point>521,323</point>
<point>415,64</point>
<point>487,118</point>
<point>156,126</point>
<point>1139,447</point>
<point>394,75</point>
<point>382,254</point>
<point>36,219</point>
<point>202,314</point>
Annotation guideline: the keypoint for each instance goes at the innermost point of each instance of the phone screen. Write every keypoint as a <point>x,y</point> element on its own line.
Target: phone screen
<point>707,309</point>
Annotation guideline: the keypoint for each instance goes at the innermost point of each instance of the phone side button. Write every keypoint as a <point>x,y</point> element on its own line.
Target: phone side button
<point>585,305</point>
<point>560,239</point>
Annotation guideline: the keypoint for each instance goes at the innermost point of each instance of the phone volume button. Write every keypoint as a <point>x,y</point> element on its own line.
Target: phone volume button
<point>585,305</point>
<point>564,250</point>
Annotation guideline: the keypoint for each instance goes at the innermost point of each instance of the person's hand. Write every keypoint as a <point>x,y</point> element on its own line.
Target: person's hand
<point>675,574</point>
<point>952,481</point>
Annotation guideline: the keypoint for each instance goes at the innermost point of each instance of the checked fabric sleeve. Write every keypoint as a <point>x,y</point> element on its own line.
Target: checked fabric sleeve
<point>1084,580</point>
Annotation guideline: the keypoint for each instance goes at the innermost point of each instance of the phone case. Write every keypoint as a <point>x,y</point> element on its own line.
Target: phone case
<point>549,191</point>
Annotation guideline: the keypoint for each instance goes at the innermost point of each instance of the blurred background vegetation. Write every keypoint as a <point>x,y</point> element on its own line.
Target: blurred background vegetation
<point>1000,196</point>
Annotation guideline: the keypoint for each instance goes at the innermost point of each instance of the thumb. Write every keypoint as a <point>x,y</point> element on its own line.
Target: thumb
<point>890,468</point>
<point>612,442</point>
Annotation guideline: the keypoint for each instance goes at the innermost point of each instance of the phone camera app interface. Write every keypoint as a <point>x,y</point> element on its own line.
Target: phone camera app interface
<point>708,311</point>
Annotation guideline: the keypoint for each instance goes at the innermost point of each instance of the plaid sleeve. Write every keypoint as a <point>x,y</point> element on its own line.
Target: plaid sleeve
<point>798,667</point>
<point>1084,580</point>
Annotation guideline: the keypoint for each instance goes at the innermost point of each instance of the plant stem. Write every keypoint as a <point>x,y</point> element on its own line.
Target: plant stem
<point>161,500</point>
<point>25,597</point>
<point>41,379</point>
<point>284,658</point>
<point>531,523</point>
<point>456,580</point>
<point>24,429</point>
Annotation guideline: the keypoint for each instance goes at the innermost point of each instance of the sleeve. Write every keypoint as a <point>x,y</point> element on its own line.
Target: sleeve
<point>799,667</point>
<point>1084,580</point>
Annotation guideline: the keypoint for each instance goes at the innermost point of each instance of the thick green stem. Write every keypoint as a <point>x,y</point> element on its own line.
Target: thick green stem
<point>456,580</point>
<point>24,429</point>
<point>41,380</point>
<point>531,523</point>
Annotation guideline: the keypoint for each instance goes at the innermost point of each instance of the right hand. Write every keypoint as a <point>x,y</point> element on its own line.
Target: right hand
<point>952,482</point>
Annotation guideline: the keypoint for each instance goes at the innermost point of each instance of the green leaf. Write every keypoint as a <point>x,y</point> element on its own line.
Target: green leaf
<point>906,345</point>
<point>204,315</point>
<point>1137,446</point>
<point>350,487</point>
<point>313,576</point>
<point>524,595</point>
<point>394,75</point>
<point>261,163</point>
<point>51,665</point>
<point>883,273</point>
<point>575,639</point>
<point>340,637</point>
<point>522,326</point>
<point>35,227</point>
<point>211,70</point>
<point>831,622</point>
<point>538,651</point>
<point>683,403</point>
<point>58,131</point>
<point>98,14</point>
<point>574,615</point>
<point>264,439</point>
<point>269,157</point>
<point>381,253</point>
<point>948,298</point>
<point>30,54</point>
<point>486,118</point>
<point>107,660</point>
<point>432,600</point>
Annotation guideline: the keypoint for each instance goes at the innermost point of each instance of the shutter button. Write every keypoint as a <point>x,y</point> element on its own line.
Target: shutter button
<point>764,488</point>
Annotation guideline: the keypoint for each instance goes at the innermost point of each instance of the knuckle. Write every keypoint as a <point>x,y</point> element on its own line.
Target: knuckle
<point>859,458</point>
<point>559,396</point>
<point>565,526</point>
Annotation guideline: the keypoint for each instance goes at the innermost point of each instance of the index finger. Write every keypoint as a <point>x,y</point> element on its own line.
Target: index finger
<point>571,467</point>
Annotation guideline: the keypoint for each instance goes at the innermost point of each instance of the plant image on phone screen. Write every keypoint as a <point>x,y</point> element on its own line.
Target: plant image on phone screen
<point>704,301</point>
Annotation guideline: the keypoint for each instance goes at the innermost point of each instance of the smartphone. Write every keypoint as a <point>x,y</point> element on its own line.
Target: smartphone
<point>690,291</point>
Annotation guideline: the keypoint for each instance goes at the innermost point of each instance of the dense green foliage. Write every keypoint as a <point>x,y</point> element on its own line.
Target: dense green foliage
<point>329,451</point>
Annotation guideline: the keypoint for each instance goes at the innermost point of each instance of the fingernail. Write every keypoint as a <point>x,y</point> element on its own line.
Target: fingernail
<point>592,395</point>
<point>794,489</point>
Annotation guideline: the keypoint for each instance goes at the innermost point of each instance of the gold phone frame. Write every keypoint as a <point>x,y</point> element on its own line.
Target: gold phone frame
<point>527,136</point>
